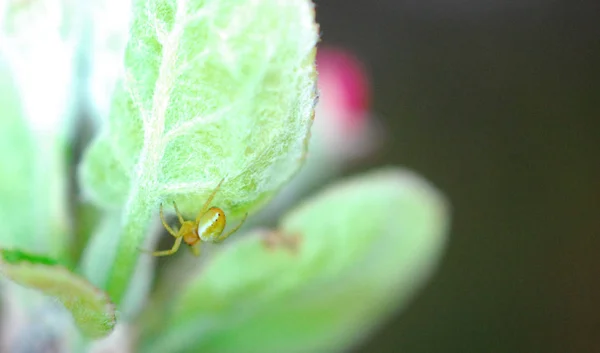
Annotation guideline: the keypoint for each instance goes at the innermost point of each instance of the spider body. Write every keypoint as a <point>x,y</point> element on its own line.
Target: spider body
<point>208,227</point>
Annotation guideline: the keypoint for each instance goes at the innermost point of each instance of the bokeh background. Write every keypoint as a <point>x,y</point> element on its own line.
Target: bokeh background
<point>498,104</point>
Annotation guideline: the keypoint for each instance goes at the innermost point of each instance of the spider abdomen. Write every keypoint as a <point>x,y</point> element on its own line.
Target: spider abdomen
<point>211,224</point>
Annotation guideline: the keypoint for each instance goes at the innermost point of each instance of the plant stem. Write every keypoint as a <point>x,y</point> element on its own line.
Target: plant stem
<point>135,223</point>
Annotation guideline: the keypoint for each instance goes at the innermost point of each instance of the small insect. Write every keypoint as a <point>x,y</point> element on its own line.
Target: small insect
<point>208,226</point>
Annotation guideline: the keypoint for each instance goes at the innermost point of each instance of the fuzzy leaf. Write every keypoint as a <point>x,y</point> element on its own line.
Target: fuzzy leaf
<point>366,246</point>
<point>92,311</point>
<point>212,89</point>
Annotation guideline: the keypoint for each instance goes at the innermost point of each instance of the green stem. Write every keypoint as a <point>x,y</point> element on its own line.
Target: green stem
<point>135,224</point>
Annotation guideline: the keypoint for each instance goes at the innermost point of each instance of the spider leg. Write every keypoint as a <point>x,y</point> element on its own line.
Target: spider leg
<point>224,236</point>
<point>178,213</point>
<point>208,201</point>
<point>196,249</point>
<point>170,251</point>
<point>165,224</point>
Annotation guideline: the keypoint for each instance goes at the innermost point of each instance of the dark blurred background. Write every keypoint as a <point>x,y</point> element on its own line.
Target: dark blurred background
<point>498,104</point>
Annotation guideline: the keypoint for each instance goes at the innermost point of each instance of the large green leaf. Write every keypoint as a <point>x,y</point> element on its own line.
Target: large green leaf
<point>211,90</point>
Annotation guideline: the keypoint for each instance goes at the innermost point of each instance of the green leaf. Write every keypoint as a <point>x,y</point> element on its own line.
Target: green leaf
<point>366,246</point>
<point>211,90</point>
<point>38,40</point>
<point>32,210</point>
<point>17,171</point>
<point>92,311</point>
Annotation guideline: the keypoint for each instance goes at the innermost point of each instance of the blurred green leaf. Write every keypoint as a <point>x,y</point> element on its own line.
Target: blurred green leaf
<point>92,311</point>
<point>211,90</point>
<point>38,42</point>
<point>24,19</point>
<point>366,246</point>
<point>17,171</point>
<point>32,195</point>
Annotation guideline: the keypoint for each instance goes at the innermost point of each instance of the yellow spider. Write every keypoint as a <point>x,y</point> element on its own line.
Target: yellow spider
<point>208,226</point>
